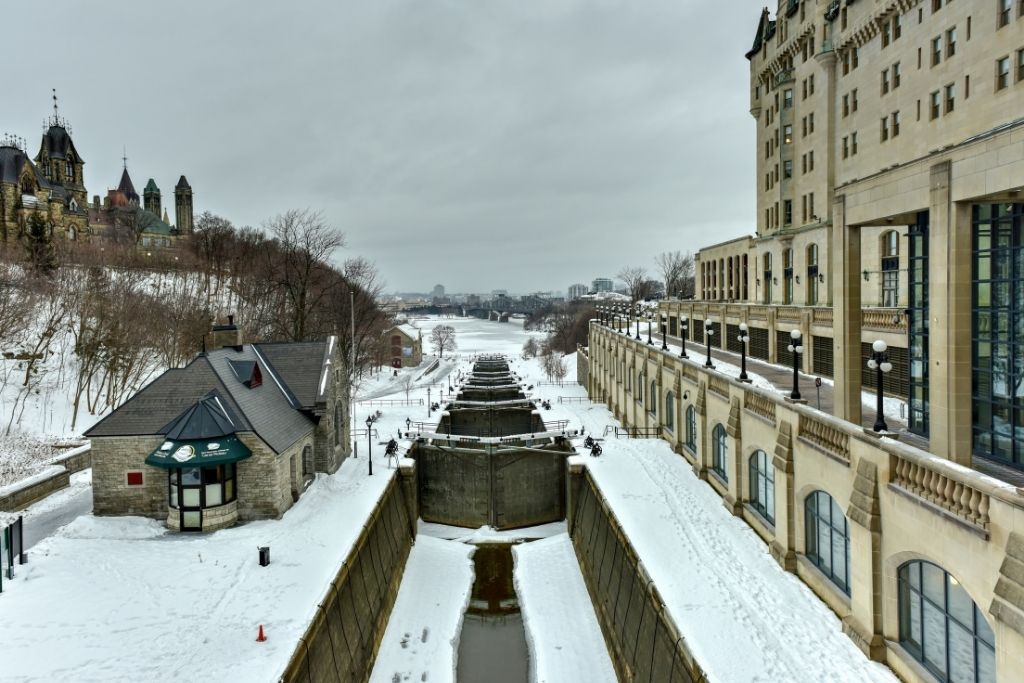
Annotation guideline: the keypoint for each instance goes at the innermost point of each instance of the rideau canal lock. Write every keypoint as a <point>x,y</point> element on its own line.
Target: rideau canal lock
<point>490,460</point>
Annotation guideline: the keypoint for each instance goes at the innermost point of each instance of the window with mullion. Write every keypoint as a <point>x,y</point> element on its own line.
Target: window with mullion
<point>691,428</point>
<point>827,538</point>
<point>719,452</point>
<point>762,485</point>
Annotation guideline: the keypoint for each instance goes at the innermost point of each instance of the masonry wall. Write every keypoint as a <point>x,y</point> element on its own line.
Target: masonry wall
<point>112,458</point>
<point>344,635</point>
<point>901,503</point>
<point>264,480</point>
<point>641,637</point>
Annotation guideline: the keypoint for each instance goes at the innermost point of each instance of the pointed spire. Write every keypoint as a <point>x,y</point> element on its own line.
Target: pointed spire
<point>56,113</point>
<point>124,156</point>
<point>166,218</point>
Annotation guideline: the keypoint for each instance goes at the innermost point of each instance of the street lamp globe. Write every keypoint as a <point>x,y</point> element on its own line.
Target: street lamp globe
<point>879,346</point>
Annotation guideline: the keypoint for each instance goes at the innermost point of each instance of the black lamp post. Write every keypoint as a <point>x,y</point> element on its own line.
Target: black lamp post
<point>709,331</point>
<point>879,362</point>
<point>796,349</point>
<point>683,326</point>
<point>650,321</point>
<point>369,444</point>
<point>408,424</point>
<point>637,312</point>
<point>664,332</point>
<point>428,401</point>
<point>743,339</point>
<point>615,318</point>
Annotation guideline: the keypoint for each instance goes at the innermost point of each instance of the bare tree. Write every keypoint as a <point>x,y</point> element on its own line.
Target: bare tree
<point>676,269</point>
<point>300,270</point>
<point>530,348</point>
<point>442,338</point>
<point>558,368</point>
<point>407,383</point>
<point>635,279</point>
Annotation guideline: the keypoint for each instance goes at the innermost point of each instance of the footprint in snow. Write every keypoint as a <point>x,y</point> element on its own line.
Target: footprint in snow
<point>426,632</point>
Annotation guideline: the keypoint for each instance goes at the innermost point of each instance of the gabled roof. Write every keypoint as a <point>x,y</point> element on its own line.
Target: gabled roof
<point>276,409</point>
<point>413,333</point>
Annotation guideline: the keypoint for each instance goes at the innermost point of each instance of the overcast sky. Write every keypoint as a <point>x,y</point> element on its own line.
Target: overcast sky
<point>479,144</point>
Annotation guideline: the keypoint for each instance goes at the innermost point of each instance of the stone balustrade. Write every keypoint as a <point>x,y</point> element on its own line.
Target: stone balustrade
<point>947,488</point>
<point>759,405</point>
<point>719,385</point>
<point>825,437</point>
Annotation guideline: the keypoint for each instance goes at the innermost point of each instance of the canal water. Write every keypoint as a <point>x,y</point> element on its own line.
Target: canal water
<point>492,647</point>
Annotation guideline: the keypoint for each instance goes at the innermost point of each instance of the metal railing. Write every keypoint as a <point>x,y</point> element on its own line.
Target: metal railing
<point>392,403</point>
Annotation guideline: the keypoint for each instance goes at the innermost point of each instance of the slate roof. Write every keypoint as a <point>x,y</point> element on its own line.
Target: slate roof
<point>13,160</point>
<point>273,410</point>
<point>57,144</point>
<point>151,186</point>
<point>299,365</point>
<point>127,187</point>
<point>209,418</point>
<point>182,184</point>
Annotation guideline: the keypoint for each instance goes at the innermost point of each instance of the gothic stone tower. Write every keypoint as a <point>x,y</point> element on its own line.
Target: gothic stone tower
<point>151,198</point>
<point>183,207</point>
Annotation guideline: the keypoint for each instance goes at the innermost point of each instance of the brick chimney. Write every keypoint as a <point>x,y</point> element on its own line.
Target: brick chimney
<point>226,335</point>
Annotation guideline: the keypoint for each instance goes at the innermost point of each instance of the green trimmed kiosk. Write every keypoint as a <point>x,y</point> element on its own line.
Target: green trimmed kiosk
<point>200,454</point>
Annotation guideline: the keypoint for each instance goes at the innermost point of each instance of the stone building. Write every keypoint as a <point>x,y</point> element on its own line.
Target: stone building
<point>236,435</point>
<point>53,185</point>
<point>890,161</point>
<point>405,346</point>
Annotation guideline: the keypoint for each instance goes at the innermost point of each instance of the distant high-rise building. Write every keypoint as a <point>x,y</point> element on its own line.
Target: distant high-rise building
<point>438,292</point>
<point>576,291</point>
<point>601,284</point>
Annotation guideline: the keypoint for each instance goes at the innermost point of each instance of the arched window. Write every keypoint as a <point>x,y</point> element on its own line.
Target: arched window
<point>653,400</point>
<point>890,268</point>
<point>812,275</point>
<point>767,278</point>
<point>787,276</point>
<point>942,627</point>
<point>670,410</point>
<point>762,485</point>
<point>827,538</point>
<point>307,462</point>
<point>719,452</point>
<point>691,428</point>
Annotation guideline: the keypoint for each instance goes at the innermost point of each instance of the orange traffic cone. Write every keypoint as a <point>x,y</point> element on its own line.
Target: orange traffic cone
<point>259,636</point>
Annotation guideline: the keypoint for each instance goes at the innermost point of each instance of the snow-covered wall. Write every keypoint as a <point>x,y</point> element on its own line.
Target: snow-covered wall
<point>342,640</point>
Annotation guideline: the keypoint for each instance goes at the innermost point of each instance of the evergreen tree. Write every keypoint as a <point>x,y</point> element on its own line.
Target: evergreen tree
<point>39,245</point>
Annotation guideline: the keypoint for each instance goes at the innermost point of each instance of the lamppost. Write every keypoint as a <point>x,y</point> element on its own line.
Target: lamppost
<point>615,318</point>
<point>879,361</point>
<point>428,401</point>
<point>683,326</point>
<point>709,331</point>
<point>796,349</point>
<point>650,321</point>
<point>369,444</point>
<point>408,424</point>
<point>743,339</point>
<point>637,312</point>
<point>664,332</point>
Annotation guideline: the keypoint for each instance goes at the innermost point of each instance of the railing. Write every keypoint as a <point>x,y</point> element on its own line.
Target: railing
<point>822,315</point>
<point>946,490</point>
<point>758,312</point>
<point>689,372</point>
<point>783,76</point>
<point>759,405</point>
<point>392,403</point>
<point>825,437</point>
<point>887,319</point>
<point>633,432</point>
<point>576,399</point>
<point>719,385</point>
<point>791,313</point>
<point>556,425</point>
<point>734,311</point>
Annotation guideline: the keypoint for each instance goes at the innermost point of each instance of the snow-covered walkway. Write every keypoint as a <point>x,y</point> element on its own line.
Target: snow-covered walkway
<point>562,630</point>
<point>421,640</point>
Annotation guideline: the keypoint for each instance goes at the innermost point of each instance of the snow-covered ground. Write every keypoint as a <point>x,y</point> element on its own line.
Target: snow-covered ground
<point>422,636</point>
<point>59,508</point>
<point>562,630</point>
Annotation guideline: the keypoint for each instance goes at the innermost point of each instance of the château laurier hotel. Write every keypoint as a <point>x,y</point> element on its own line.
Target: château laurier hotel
<point>890,170</point>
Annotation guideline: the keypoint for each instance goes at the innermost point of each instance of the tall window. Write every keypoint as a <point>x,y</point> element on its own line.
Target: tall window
<point>337,423</point>
<point>998,318</point>
<point>942,627</point>
<point>307,461</point>
<point>691,428</point>
<point>767,260</point>
<point>827,538</point>
<point>719,452</point>
<point>762,485</point>
<point>654,398</point>
<point>787,275</point>
<point>890,268</point>
<point>812,274</point>
<point>640,387</point>
<point>670,410</point>
<point>917,323</point>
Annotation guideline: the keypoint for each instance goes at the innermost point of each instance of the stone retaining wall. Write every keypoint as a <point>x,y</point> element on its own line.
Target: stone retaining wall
<point>344,635</point>
<point>641,637</point>
<point>22,494</point>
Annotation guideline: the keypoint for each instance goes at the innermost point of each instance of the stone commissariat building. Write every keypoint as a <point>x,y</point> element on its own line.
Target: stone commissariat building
<point>235,435</point>
<point>405,345</point>
<point>890,170</point>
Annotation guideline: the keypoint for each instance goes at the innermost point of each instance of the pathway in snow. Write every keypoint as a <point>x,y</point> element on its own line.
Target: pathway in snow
<point>422,637</point>
<point>562,630</point>
<point>59,508</point>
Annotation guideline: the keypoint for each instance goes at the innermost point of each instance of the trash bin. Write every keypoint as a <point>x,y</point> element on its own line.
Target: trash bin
<point>264,555</point>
